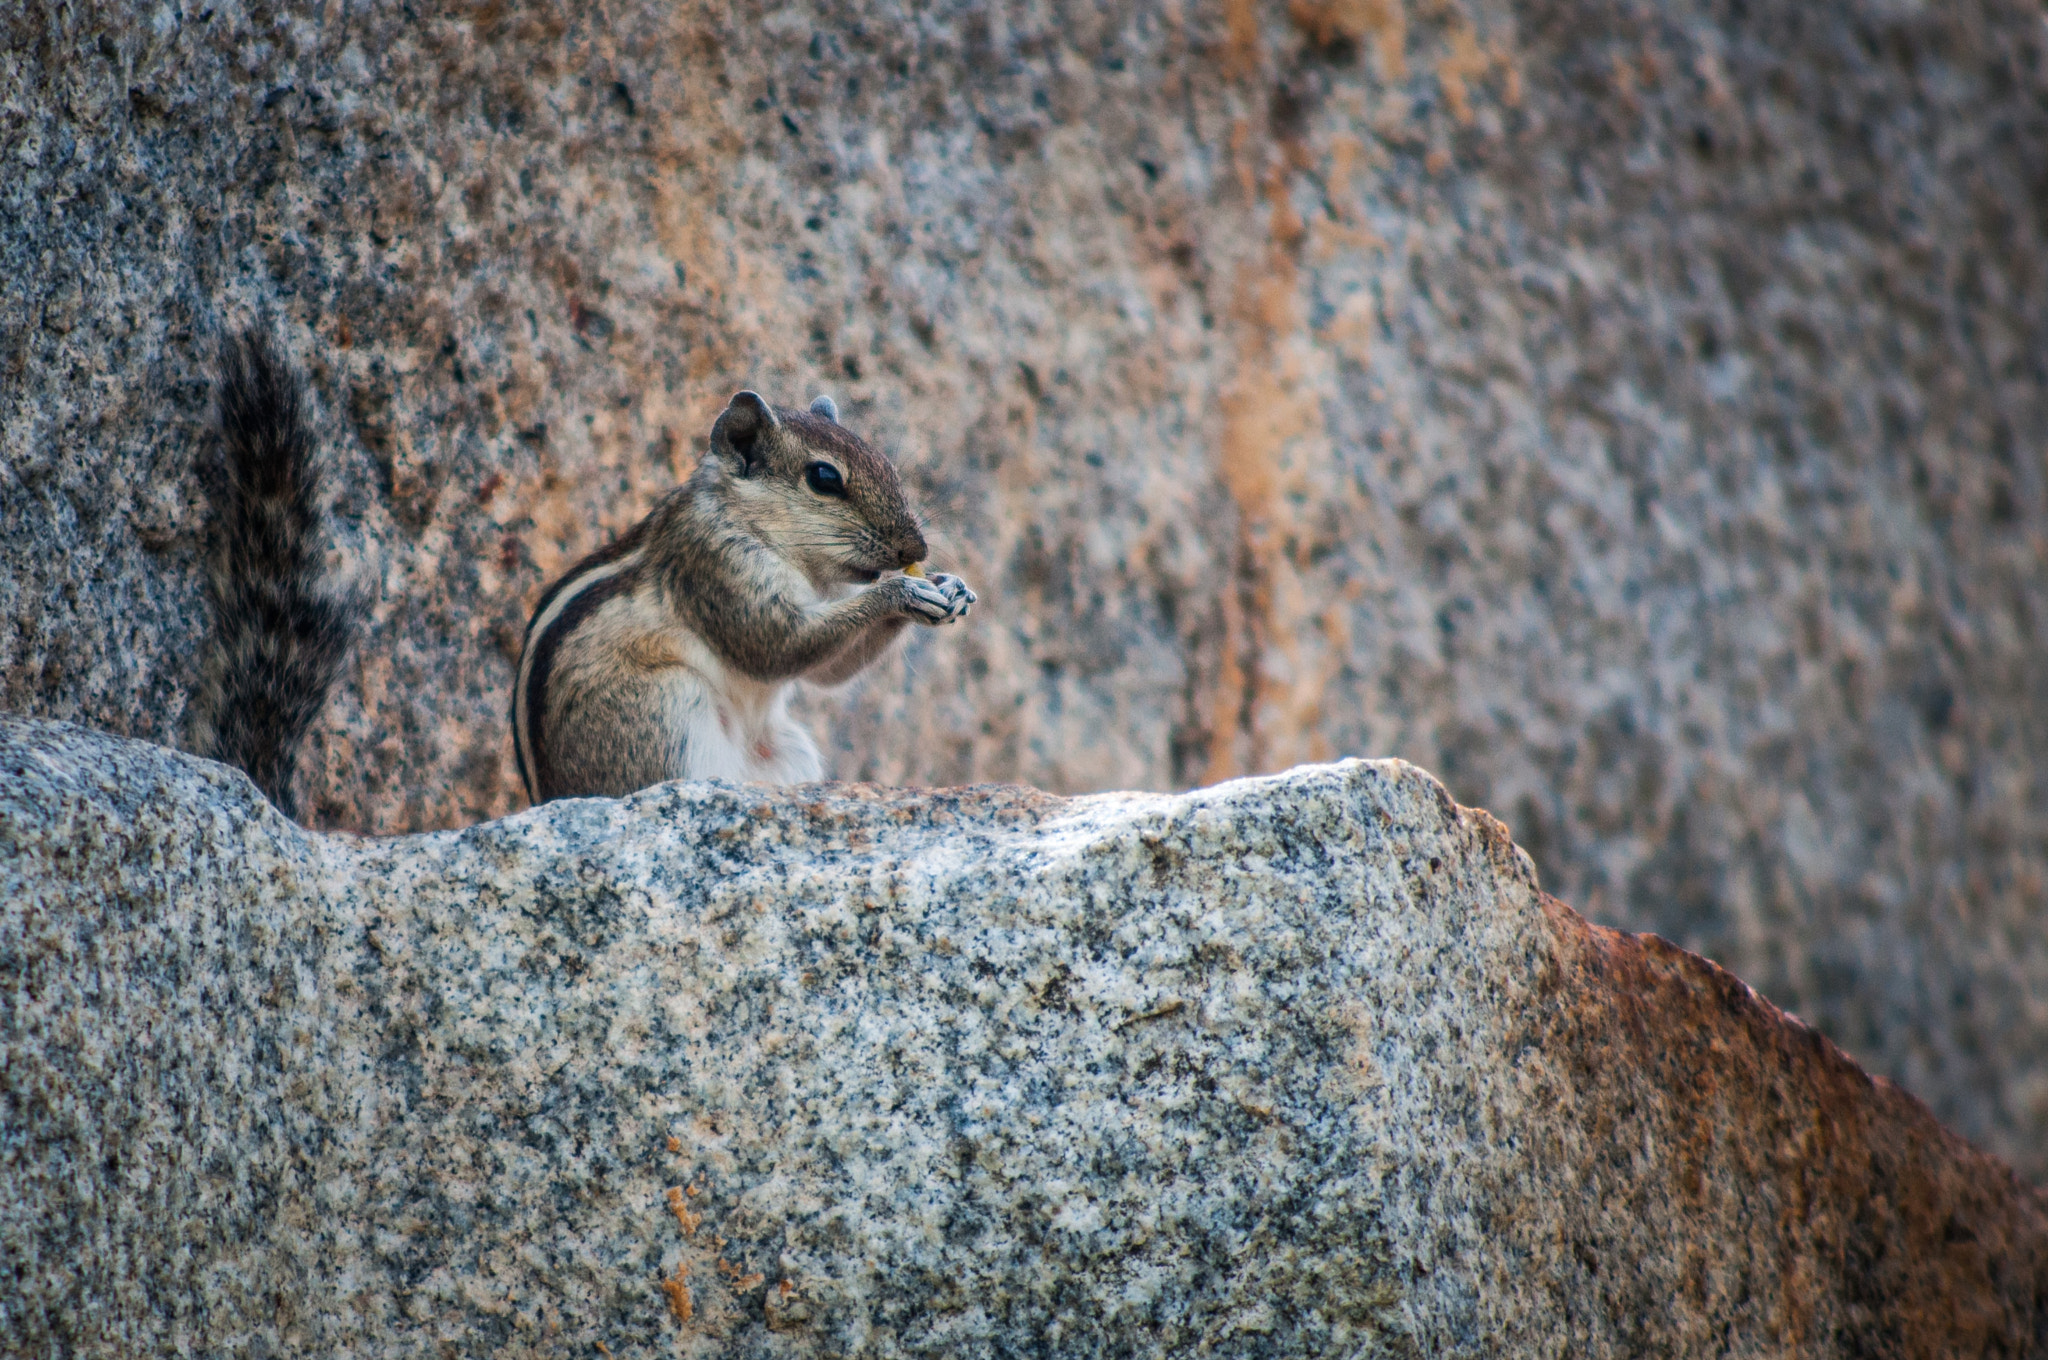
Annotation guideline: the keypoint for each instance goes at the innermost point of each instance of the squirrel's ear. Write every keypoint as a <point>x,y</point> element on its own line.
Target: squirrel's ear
<point>826,407</point>
<point>737,431</point>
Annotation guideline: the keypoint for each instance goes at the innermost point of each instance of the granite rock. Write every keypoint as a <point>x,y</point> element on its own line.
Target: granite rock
<point>1301,1065</point>
<point>1633,414</point>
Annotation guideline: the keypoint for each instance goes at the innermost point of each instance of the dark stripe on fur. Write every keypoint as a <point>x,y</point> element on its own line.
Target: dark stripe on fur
<point>279,637</point>
<point>603,555</point>
<point>610,553</point>
<point>550,641</point>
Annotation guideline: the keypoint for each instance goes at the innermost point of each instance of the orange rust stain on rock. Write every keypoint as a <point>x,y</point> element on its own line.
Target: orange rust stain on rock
<point>1458,68</point>
<point>1274,445</point>
<point>1264,410</point>
<point>682,1212</point>
<point>1326,21</point>
<point>1286,226</point>
<point>1949,1247</point>
<point>1240,38</point>
<point>740,1277</point>
<point>1346,151</point>
<point>1510,76</point>
<point>1244,160</point>
<point>1623,74</point>
<point>677,1288</point>
<point>596,477</point>
<point>1387,22</point>
<point>1283,641</point>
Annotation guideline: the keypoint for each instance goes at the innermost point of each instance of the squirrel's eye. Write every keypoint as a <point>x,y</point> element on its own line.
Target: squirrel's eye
<point>824,479</point>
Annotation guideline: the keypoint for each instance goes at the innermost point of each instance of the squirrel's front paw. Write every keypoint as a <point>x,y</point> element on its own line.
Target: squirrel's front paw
<point>960,598</point>
<point>937,599</point>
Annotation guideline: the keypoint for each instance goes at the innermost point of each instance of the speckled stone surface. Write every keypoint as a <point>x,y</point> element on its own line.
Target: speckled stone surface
<point>1298,1066</point>
<point>1633,414</point>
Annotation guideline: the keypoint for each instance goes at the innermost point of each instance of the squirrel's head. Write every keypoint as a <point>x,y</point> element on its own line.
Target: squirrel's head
<point>814,490</point>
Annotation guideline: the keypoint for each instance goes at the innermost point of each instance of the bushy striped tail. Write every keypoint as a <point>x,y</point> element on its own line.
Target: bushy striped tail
<point>280,634</point>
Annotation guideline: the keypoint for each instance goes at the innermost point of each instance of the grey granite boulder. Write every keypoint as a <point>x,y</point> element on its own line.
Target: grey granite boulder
<point>1632,413</point>
<point>1302,1065</point>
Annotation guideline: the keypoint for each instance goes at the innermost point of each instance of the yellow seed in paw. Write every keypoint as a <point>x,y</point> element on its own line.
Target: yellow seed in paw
<point>913,570</point>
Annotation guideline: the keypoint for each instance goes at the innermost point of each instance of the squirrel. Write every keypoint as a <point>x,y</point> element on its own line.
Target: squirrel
<point>281,632</point>
<point>669,654</point>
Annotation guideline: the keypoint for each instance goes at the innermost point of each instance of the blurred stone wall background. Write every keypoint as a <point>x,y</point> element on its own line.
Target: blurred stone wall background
<point>1634,413</point>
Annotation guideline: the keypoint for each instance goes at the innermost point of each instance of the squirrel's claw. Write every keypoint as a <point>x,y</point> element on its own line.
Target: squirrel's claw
<point>937,599</point>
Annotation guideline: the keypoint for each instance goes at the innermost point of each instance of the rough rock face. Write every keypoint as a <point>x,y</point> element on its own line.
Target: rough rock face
<point>1634,414</point>
<point>1294,1066</point>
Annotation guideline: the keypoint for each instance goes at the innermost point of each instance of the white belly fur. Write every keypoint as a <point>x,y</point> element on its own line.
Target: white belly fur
<point>733,727</point>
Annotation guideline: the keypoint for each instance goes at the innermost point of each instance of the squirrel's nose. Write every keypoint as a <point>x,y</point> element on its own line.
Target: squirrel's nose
<point>910,549</point>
